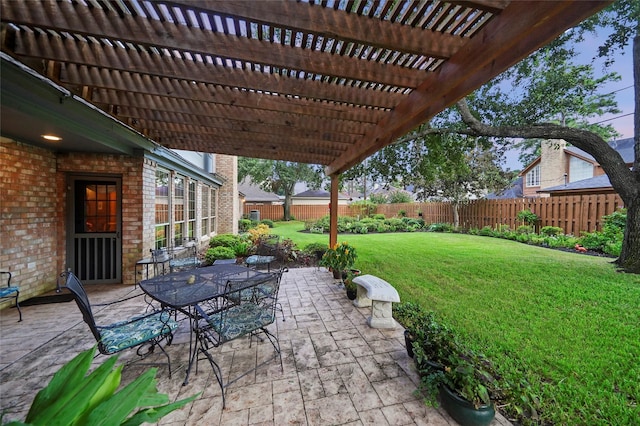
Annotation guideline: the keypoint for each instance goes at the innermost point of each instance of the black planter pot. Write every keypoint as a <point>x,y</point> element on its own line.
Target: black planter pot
<point>463,411</point>
<point>408,343</point>
<point>352,293</point>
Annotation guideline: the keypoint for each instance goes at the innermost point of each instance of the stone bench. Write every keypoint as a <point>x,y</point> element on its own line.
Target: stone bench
<point>379,294</point>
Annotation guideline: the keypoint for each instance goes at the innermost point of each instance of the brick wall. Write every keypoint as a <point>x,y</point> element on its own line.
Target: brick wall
<point>30,217</point>
<point>228,206</point>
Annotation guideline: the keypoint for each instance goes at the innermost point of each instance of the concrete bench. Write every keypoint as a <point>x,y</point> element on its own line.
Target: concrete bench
<point>379,294</point>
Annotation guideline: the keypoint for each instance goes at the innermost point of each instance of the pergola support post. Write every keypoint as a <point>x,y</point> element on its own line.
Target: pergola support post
<point>333,211</point>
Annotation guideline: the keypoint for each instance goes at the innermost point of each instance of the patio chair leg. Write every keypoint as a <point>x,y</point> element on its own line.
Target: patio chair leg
<point>18,305</point>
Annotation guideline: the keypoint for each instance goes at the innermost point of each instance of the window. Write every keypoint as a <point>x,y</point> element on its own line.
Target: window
<point>205,210</point>
<point>162,208</point>
<point>178,210</point>
<point>579,169</point>
<point>191,210</point>
<point>533,177</point>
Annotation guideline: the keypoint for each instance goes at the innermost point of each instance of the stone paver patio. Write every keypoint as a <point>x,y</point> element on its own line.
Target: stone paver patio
<point>337,370</point>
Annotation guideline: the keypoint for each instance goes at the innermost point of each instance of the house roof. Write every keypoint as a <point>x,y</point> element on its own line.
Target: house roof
<point>253,193</point>
<point>596,182</point>
<point>318,193</point>
<point>624,147</point>
<point>513,191</point>
<point>323,81</point>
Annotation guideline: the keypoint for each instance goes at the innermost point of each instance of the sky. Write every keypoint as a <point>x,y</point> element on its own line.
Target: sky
<point>623,89</point>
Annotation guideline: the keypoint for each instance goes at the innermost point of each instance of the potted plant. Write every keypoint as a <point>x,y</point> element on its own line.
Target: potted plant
<point>339,258</point>
<point>460,377</point>
<point>349,285</point>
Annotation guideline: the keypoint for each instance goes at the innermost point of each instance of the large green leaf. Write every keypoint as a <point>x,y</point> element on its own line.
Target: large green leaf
<point>68,377</point>
<point>74,396</point>
<point>120,405</point>
<point>152,415</point>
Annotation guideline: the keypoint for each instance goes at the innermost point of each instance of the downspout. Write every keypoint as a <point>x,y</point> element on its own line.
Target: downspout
<point>333,211</point>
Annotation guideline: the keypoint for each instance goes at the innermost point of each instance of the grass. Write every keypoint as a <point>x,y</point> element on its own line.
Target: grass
<point>569,323</point>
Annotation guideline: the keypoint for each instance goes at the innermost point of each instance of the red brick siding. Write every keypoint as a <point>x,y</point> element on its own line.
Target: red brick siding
<point>30,224</point>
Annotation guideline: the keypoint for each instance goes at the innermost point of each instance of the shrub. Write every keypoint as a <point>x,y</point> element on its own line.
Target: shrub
<point>399,197</point>
<point>528,217</point>
<point>440,227</point>
<point>242,248</point>
<point>364,207</point>
<point>609,240</point>
<point>550,231</point>
<point>225,240</point>
<point>256,233</point>
<point>378,198</point>
<point>267,222</point>
<point>219,252</point>
<point>402,213</point>
<point>486,231</point>
<point>317,249</point>
<point>524,229</point>
<point>244,225</point>
<point>378,216</point>
<point>396,224</point>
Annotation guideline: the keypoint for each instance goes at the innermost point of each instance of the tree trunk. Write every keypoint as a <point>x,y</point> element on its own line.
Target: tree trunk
<point>456,215</point>
<point>287,207</point>
<point>629,259</point>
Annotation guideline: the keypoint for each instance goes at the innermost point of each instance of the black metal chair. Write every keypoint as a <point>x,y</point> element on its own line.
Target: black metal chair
<point>238,316</point>
<point>267,251</point>
<point>10,292</point>
<point>150,329</point>
<point>185,257</point>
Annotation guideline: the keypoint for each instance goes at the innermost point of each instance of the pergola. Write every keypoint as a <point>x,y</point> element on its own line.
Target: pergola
<point>320,81</point>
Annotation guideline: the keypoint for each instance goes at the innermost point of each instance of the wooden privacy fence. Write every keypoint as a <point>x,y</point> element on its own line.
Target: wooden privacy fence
<point>574,214</point>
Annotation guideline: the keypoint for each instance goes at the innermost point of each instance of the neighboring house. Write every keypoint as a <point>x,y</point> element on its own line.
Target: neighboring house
<point>390,190</point>
<point>317,197</point>
<point>96,201</point>
<point>253,194</point>
<point>513,191</point>
<point>560,168</point>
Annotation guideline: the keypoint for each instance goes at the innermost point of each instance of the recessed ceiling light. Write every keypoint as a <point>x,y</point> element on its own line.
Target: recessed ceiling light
<point>52,138</point>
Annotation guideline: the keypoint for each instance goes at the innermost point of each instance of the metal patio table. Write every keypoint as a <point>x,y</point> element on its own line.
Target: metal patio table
<point>185,289</point>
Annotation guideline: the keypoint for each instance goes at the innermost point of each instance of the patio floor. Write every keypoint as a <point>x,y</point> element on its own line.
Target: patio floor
<point>337,370</point>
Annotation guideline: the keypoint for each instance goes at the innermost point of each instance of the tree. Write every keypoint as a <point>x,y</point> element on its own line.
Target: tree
<point>444,166</point>
<point>279,177</point>
<point>547,97</point>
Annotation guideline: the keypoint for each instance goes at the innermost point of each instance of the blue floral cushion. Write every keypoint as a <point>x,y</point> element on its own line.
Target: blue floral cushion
<point>6,291</point>
<point>126,334</point>
<point>241,319</point>
<point>259,260</point>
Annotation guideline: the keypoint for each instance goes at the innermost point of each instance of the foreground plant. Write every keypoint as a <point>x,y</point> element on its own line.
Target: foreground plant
<point>75,398</point>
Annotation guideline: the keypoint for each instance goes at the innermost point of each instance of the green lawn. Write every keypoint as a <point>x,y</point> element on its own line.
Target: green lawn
<point>571,319</point>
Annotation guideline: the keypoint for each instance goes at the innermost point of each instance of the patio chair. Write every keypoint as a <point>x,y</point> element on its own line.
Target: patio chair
<point>183,258</point>
<point>139,331</point>
<point>267,251</point>
<point>266,289</point>
<point>159,257</point>
<point>10,292</point>
<point>233,320</point>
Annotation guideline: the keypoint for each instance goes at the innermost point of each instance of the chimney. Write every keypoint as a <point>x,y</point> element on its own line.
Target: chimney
<point>553,163</point>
